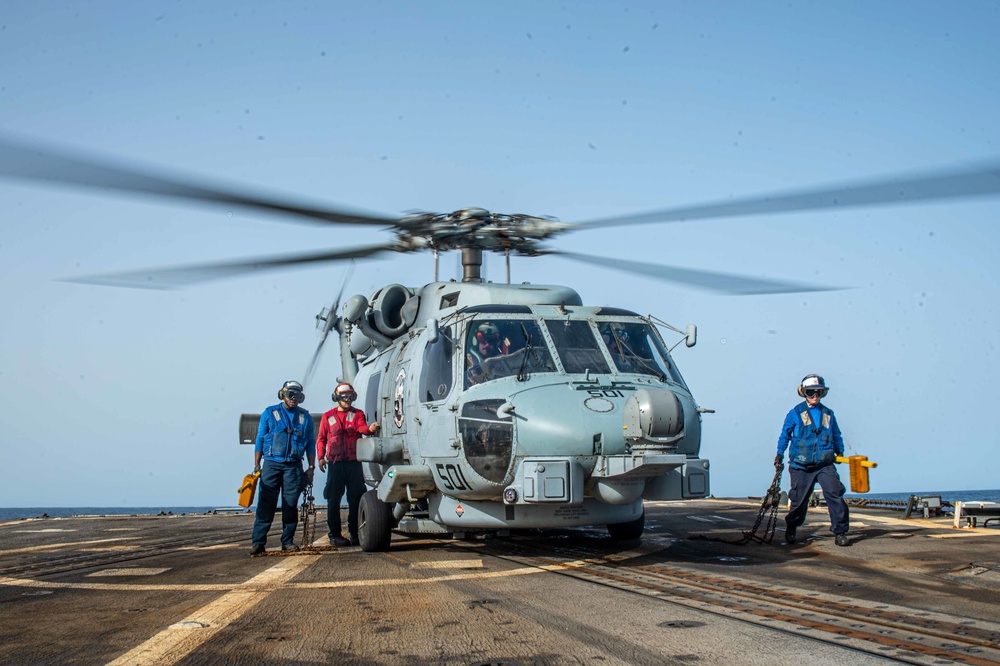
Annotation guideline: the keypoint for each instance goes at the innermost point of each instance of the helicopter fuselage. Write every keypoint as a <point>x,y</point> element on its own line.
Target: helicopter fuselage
<point>511,406</point>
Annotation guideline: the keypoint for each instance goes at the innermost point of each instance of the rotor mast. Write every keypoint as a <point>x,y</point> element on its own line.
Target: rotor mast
<point>472,264</point>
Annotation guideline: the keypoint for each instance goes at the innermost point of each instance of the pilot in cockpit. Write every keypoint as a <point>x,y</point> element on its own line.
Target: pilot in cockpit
<point>616,340</point>
<point>484,344</point>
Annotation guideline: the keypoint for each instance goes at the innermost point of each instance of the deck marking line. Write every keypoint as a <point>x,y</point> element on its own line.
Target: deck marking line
<point>382,582</point>
<point>219,587</point>
<point>180,639</point>
<point>124,587</point>
<point>127,571</point>
<point>53,546</point>
<point>449,564</point>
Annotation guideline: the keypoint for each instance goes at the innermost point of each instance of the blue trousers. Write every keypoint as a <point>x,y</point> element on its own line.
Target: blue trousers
<point>803,483</point>
<point>284,481</point>
<point>340,475</point>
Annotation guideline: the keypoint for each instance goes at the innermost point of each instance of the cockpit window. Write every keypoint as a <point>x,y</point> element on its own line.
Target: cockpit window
<point>636,348</point>
<point>497,347</point>
<point>577,346</point>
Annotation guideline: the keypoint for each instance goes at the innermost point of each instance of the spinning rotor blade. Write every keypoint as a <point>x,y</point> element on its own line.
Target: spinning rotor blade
<point>932,186</point>
<point>725,283</point>
<point>332,320</point>
<point>34,163</point>
<point>180,276</point>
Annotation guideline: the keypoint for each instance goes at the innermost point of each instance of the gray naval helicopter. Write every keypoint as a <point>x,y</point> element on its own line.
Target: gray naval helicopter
<point>510,406</point>
<point>503,406</point>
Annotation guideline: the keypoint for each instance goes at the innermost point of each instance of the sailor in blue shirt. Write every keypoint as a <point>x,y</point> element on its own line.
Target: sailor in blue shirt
<point>284,436</point>
<point>813,439</point>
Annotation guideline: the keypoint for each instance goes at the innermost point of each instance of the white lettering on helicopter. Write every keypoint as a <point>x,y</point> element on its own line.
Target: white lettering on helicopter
<point>605,393</point>
<point>452,477</point>
<point>397,399</point>
<point>614,386</point>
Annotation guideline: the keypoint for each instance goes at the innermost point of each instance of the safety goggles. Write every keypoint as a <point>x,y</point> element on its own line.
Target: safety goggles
<point>492,338</point>
<point>294,394</point>
<point>812,393</point>
<point>347,395</point>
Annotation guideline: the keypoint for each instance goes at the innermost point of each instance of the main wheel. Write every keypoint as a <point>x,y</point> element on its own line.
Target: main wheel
<point>374,523</point>
<point>627,531</point>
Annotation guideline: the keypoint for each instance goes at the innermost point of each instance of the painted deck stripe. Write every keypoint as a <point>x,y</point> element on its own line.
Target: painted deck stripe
<point>130,571</point>
<point>449,564</point>
<point>181,639</point>
<point>53,546</point>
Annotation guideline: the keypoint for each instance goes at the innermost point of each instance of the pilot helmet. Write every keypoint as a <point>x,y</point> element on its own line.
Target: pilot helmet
<point>487,331</point>
<point>813,382</point>
<point>344,391</point>
<point>292,390</point>
<point>619,332</point>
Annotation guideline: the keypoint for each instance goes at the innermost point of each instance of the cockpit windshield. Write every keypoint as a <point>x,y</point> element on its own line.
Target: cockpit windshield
<point>500,347</point>
<point>508,346</point>
<point>635,347</point>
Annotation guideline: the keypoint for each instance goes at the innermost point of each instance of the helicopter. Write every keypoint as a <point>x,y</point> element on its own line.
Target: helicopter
<point>504,406</point>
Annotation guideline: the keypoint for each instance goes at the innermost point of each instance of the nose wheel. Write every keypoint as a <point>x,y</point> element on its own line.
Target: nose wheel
<point>374,523</point>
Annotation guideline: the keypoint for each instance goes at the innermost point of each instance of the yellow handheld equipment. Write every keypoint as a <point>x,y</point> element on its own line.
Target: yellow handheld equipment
<point>248,489</point>
<point>859,471</point>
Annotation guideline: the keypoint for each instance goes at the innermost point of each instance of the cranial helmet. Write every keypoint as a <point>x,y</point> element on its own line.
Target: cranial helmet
<point>813,382</point>
<point>292,389</point>
<point>487,331</point>
<point>344,390</point>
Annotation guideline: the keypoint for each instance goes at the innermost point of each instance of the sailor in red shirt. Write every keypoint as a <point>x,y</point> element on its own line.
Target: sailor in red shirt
<point>337,445</point>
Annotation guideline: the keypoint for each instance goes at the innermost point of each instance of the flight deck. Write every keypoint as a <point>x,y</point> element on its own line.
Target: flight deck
<point>183,590</point>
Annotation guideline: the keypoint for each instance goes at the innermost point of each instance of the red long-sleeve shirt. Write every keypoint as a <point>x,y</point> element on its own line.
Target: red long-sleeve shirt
<point>339,432</point>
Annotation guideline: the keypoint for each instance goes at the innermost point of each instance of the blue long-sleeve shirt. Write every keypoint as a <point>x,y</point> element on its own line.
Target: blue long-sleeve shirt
<point>285,435</point>
<point>811,435</point>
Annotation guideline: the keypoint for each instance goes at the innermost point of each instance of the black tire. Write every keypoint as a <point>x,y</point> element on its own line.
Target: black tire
<point>374,523</point>
<point>628,531</point>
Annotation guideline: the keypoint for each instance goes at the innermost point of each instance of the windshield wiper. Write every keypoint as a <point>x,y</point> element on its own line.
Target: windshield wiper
<point>522,374</point>
<point>629,354</point>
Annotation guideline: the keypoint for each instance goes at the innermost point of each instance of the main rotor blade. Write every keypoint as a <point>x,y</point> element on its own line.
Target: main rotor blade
<point>34,163</point>
<point>941,185</point>
<point>181,276</point>
<point>726,283</point>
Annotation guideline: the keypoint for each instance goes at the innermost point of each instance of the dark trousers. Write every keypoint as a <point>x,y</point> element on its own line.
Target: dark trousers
<point>341,475</point>
<point>282,480</point>
<point>803,482</point>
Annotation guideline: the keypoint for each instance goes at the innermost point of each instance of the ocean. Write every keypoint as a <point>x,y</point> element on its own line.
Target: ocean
<point>17,513</point>
<point>951,496</point>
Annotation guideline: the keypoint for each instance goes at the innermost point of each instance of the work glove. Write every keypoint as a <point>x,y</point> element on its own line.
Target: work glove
<point>256,469</point>
<point>309,476</point>
<point>779,462</point>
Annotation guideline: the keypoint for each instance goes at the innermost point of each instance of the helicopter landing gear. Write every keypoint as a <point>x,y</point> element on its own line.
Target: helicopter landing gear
<point>374,523</point>
<point>628,531</point>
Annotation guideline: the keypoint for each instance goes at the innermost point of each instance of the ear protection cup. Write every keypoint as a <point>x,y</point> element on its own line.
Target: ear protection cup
<point>801,392</point>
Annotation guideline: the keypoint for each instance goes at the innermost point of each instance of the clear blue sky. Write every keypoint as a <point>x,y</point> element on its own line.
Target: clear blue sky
<point>578,110</point>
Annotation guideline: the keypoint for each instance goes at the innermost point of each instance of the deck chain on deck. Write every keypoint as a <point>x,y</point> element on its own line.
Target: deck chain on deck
<point>768,507</point>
